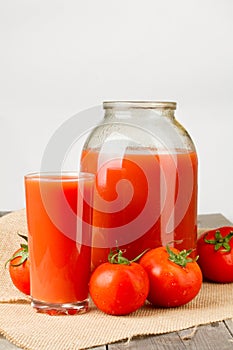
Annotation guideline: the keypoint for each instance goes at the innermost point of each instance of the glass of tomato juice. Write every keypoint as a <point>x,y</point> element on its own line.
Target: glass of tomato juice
<point>59,218</point>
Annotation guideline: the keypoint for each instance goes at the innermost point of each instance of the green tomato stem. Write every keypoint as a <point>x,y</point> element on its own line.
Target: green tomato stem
<point>220,241</point>
<point>180,258</point>
<point>116,257</point>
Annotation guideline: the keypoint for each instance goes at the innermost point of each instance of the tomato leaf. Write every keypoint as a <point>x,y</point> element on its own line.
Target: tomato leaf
<point>180,258</point>
<point>23,236</point>
<point>220,241</point>
<point>24,246</point>
<point>116,257</point>
<point>227,247</point>
<point>210,241</point>
<point>217,246</point>
<point>22,252</point>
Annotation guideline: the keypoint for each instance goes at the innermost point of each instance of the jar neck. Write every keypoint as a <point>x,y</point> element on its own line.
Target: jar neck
<point>126,109</point>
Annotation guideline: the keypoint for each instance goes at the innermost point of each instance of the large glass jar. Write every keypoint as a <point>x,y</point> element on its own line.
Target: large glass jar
<point>146,179</point>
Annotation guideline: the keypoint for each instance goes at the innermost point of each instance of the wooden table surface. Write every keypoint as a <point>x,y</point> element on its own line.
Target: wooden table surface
<point>214,336</point>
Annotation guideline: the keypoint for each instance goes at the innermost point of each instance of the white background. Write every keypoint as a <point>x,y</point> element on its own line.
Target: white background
<point>60,57</point>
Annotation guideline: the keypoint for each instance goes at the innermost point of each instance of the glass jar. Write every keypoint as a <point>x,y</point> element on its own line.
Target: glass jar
<point>146,179</point>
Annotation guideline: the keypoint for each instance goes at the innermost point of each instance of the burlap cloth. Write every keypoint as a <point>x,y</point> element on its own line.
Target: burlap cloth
<point>29,330</point>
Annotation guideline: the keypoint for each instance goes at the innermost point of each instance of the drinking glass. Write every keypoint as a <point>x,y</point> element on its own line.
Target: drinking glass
<point>59,218</point>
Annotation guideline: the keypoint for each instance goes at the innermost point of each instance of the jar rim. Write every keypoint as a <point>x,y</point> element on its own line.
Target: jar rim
<point>140,104</point>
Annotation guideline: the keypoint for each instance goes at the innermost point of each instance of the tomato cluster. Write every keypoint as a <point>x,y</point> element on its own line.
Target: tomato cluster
<point>118,288</point>
<point>164,276</point>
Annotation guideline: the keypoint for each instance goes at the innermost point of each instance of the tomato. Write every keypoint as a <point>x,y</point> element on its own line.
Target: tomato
<point>119,287</point>
<point>19,268</point>
<point>175,279</point>
<point>215,250</point>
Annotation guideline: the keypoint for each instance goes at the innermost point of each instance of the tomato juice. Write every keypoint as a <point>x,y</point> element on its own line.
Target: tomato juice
<point>59,243</point>
<point>142,200</point>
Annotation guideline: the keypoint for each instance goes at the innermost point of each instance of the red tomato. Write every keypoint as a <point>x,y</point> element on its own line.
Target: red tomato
<point>174,278</point>
<point>215,250</point>
<point>119,288</point>
<point>19,268</point>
